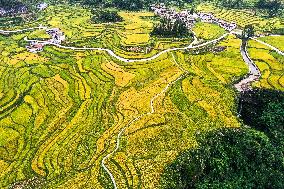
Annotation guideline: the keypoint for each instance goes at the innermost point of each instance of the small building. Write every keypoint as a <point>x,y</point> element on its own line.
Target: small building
<point>56,35</point>
<point>42,6</point>
<point>35,47</point>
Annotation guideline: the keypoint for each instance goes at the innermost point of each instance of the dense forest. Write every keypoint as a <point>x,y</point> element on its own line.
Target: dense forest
<point>272,7</point>
<point>237,157</point>
<point>167,28</point>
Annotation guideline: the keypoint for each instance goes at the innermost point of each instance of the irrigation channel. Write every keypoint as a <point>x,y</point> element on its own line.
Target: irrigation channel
<point>244,84</point>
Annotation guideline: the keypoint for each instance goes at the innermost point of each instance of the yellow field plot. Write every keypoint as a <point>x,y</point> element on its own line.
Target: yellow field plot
<point>274,80</point>
<point>276,41</point>
<point>268,65</point>
<point>136,38</point>
<point>18,36</point>
<point>241,17</point>
<point>140,100</point>
<point>27,57</point>
<point>133,20</point>
<point>209,99</point>
<point>281,81</point>
<point>155,146</point>
<point>256,52</point>
<point>220,77</point>
<point>122,78</point>
<point>137,30</point>
<point>39,163</point>
<point>4,165</point>
<point>124,179</point>
<point>74,22</point>
<point>38,34</point>
<point>207,30</point>
<point>22,114</point>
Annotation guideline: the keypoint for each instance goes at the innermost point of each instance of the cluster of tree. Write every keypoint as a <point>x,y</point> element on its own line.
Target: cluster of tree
<point>264,111</point>
<point>10,3</point>
<point>237,157</point>
<point>105,15</point>
<point>273,7</point>
<point>131,4</point>
<point>169,28</point>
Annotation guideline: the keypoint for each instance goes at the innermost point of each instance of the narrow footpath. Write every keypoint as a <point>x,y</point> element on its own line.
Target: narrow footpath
<point>253,75</point>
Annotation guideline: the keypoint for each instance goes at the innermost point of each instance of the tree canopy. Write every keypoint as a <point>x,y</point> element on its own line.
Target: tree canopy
<point>169,28</point>
<point>227,158</point>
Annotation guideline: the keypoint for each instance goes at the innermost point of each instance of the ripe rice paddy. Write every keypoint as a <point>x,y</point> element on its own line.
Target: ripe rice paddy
<point>243,18</point>
<point>61,110</point>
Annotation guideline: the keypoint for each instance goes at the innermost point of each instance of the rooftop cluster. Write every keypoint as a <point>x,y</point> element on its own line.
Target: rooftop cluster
<point>56,35</point>
<point>189,17</point>
<point>208,17</point>
<point>170,14</point>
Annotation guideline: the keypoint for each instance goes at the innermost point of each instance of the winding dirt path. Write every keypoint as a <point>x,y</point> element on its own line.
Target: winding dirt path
<point>253,75</point>
<point>270,46</point>
<point>111,53</point>
<point>137,119</point>
<point>22,30</point>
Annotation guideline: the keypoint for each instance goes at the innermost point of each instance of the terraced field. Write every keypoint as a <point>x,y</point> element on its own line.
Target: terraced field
<point>276,41</point>
<point>62,111</point>
<point>208,31</point>
<point>270,63</point>
<point>243,18</point>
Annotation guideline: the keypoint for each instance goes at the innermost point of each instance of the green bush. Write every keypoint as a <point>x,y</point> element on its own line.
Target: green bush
<point>227,158</point>
<point>102,16</point>
<point>169,28</point>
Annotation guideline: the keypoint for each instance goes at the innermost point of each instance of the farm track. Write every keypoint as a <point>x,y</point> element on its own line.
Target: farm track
<point>138,118</point>
<point>270,46</point>
<point>111,53</point>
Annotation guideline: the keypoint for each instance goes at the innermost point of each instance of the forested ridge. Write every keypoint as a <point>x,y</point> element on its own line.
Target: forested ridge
<point>272,7</point>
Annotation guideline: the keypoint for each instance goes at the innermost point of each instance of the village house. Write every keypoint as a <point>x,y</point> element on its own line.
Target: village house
<point>190,19</point>
<point>35,47</point>
<point>171,14</point>
<point>56,35</point>
<point>42,6</point>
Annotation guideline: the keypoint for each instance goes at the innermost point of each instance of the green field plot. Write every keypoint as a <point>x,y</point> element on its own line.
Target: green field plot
<point>270,64</point>
<point>243,18</point>
<point>208,31</point>
<point>276,41</point>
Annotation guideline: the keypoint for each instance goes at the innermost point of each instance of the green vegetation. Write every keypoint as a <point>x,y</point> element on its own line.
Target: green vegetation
<point>264,111</point>
<point>227,158</point>
<point>168,28</point>
<point>102,16</point>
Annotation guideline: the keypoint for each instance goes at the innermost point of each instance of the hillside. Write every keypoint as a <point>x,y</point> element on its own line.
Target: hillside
<point>96,99</point>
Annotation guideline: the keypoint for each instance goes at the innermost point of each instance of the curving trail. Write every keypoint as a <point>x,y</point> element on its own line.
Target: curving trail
<point>23,30</point>
<point>111,53</point>
<point>270,46</point>
<point>254,72</point>
<point>138,118</point>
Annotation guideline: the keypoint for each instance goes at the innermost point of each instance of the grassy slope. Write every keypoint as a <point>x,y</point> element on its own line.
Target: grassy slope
<point>270,64</point>
<point>208,31</point>
<point>243,17</point>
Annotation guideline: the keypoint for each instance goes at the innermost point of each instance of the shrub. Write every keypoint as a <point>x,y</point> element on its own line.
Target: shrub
<point>227,158</point>
<point>169,28</point>
<point>102,16</point>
